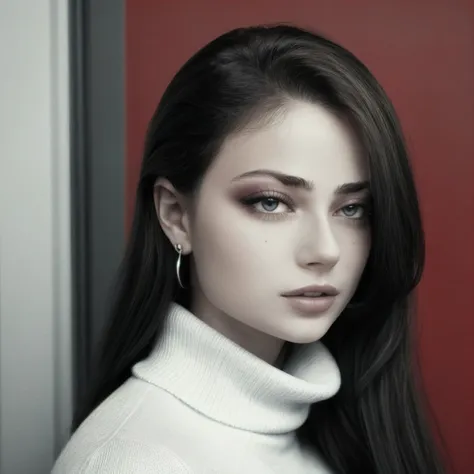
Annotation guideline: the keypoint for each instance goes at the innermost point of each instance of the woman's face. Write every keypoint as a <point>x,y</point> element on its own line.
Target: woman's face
<point>281,208</point>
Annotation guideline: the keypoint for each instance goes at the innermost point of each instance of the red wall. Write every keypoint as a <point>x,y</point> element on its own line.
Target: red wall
<point>423,53</point>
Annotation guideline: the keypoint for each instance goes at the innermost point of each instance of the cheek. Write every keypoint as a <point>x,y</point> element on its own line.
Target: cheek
<point>231,238</point>
<point>223,247</point>
<point>356,253</point>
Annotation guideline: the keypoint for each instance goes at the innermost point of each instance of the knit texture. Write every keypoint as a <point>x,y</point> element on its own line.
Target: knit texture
<point>201,404</point>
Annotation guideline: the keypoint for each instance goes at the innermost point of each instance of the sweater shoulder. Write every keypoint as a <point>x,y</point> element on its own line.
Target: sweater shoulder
<point>116,438</point>
<point>127,456</point>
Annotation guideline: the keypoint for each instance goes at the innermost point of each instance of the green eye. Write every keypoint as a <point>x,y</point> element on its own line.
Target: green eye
<point>354,211</point>
<point>270,204</point>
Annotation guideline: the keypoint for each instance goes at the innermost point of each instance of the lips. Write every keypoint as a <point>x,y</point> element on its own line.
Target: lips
<point>312,291</point>
<point>311,300</point>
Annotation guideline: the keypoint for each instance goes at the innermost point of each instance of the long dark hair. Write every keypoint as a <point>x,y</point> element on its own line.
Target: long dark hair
<point>376,423</point>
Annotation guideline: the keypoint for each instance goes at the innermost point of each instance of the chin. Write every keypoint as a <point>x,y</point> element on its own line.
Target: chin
<point>306,338</point>
<point>307,335</point>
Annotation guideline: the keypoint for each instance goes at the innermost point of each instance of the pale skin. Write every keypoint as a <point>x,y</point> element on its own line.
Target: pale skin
<point>252,237</point>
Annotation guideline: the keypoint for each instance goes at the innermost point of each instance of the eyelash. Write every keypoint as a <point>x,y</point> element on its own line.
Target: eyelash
<point>251,201</point>
<point>357,205</point>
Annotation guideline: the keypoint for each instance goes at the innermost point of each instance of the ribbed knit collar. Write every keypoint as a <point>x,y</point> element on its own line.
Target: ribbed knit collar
<point>224,382</point>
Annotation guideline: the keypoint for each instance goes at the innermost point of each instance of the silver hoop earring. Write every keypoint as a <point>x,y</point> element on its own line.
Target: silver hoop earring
<point>179,249</point>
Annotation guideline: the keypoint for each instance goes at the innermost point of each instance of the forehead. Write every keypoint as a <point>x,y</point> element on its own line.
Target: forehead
<point>307,141</point>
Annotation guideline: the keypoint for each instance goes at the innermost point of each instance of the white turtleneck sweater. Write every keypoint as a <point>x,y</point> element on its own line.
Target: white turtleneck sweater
<point>201,404</point>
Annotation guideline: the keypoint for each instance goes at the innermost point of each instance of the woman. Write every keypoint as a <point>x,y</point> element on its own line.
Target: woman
<point>263,316</point>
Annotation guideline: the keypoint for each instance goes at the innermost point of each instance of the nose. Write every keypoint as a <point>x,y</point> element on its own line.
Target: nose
<point>318,245</point>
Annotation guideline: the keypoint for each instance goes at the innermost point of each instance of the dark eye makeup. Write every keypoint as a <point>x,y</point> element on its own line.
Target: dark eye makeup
<point>270,204</point>
<point>269,201</point>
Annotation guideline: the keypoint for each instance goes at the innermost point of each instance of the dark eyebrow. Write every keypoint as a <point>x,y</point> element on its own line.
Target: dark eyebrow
<point>297,182</point>
<point>352,188</point>
<point>287,180</point>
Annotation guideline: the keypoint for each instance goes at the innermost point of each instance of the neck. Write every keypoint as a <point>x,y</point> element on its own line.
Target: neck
<point>223,381</point>
<point>264,346</point>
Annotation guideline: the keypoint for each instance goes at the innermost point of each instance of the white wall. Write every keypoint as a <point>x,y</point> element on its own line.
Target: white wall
<point>35,307</point>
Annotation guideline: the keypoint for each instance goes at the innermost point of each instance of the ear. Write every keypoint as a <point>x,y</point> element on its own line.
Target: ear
<point>172,214</point>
